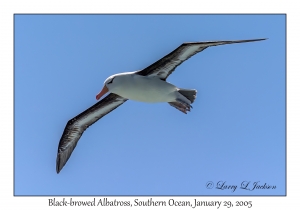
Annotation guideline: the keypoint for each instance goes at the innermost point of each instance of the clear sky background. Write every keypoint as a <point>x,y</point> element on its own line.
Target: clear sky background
<point>235,133</point>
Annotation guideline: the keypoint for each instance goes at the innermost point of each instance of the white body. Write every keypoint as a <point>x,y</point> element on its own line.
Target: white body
<point>143,88</point>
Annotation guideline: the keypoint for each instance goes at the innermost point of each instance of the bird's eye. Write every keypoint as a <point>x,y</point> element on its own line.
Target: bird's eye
<point>110,81</point>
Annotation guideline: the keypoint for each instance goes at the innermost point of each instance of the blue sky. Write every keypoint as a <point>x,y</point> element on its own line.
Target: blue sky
<point>235,133</point>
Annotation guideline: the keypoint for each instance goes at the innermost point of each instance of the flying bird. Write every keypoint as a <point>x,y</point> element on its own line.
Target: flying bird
<point>147,85</point>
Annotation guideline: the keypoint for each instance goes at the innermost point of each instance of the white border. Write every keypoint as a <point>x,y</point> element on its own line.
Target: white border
<point>8,8</point>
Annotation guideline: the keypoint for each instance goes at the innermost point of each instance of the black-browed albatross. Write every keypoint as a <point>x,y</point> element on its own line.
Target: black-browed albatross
<point>147,85</point>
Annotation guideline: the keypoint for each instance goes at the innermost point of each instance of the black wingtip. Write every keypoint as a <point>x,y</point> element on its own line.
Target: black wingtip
<point>58,168</point>
<point>236,41</point>
<point>249,40</point>
<point>260,39</point>
<point>223,42</point>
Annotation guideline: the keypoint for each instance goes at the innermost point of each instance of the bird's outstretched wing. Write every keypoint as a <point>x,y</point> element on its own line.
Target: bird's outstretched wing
<point>166,65</point>
<point>76,126</point>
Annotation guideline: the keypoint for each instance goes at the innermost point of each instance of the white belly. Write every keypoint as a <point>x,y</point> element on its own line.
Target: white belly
<point>145,89</point>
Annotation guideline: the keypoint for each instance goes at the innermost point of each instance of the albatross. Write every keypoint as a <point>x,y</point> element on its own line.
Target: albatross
<point>147,85</point>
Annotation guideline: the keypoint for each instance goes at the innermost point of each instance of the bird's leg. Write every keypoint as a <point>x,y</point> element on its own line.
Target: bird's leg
<point>181,105</point>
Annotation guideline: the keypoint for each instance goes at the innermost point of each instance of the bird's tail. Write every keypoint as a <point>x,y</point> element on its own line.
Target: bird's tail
<point>184,104</point>
<point>188,93</point>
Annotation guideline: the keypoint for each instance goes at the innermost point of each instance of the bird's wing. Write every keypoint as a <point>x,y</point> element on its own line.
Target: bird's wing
<point>166,65</point>
<point>76,126</point>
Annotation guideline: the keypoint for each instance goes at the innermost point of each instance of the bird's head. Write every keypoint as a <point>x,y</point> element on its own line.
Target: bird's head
<point>108,85</point>
<point>113,82</point>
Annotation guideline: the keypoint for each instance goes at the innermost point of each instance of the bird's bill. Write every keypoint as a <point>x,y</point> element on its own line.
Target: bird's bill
<point>102,92</point>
